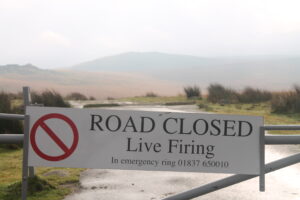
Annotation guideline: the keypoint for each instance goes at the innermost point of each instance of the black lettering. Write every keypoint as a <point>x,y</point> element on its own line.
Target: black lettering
<point>96,120</point>
<point>195,127</point>
<point>209,151</point>
<point>130,124</point>
<point>227,127</point>
<point>182,127</point>
<point>216,127</point>
<point>107,123</point>
<point>128,145</point>
<point>157,147</point>
<point>241,129</point>
<point>143,125</point>
<point>165,125</point>
<point>171,145</point>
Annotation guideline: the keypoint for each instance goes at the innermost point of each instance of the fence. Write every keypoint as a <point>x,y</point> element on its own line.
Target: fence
<point>270,167</point>
<point>17,138</point>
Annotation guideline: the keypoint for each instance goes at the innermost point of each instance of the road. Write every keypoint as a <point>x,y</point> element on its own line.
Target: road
<point>98,184</point>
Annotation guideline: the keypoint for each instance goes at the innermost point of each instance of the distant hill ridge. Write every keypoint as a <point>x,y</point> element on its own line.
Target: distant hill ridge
<point>135,61</point>
<point>151,61</point>
<point>270,72</point>
<point>13,68</point>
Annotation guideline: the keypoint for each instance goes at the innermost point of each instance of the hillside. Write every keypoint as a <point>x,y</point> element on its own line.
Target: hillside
<point>144,62</point>
<point>97,84</point>
<point>269,72</point>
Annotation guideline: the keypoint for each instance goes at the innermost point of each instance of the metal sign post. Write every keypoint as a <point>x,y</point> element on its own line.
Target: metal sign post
<point>27,102</point>
<point>25,158</point>
<point>262,159</point>
<point>25,168</point>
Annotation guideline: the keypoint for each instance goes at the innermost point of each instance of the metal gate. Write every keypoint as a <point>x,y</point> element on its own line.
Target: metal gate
<point>196,192</point>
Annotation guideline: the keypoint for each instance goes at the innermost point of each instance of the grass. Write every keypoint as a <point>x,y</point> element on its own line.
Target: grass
<point>252,109</point>
<point>16,103</point>
<point>51,183</point>
<point>258,109</point>
<point>97,105</point>
<point>159,100</point>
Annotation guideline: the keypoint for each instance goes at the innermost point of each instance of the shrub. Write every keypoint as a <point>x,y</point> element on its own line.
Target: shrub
<point>92,98</point>
<point>49,98</point>
<point>219,94</point>
<point>204,106</point>
<point>286,102</point>
<point>76,96</point>
<point>151,94</point>
<point>250,95</point>
<point>5,106</point>
<point>9,126</point>
<point>192,92</point>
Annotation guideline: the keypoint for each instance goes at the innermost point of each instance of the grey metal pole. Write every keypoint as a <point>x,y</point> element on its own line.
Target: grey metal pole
<point>281,127</point>
<point>11,116</point>
<point>273,166</point>
<point>25,158</point>
<point>26,96</point>
<point>27,102</point>
<point>282,139</point>
<point>262,159</point>
<point>11,138</point>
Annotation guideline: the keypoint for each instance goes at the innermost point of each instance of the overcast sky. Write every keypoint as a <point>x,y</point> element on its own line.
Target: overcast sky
<point>60,33</point>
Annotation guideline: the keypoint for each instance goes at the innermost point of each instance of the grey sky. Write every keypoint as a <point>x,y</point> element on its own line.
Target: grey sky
<point>60,33</point>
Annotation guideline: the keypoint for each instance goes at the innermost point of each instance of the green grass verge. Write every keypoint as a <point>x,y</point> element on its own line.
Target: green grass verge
<point>256,109</point>
<point>98,105</point>
<point>259,109</point>
<point>50,183</point>
<point>172,100</point>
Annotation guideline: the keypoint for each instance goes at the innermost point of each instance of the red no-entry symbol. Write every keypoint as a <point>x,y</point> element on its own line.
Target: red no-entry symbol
<point>40,123</point>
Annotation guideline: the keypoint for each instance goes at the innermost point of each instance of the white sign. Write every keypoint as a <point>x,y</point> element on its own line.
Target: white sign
<point>141,140</point>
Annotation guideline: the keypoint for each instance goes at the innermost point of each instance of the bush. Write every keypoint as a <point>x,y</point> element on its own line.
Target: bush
<point>192,92</point>
<point>250,95</point>
<point>219,94</point>
<point>286,102</point>
<point>9,126</point>
<point>204,106</point>
<point>5,106</point>
<point>151,94</point>
<point>49,98</point>
<point>92,98</point>
<point>76,96</point>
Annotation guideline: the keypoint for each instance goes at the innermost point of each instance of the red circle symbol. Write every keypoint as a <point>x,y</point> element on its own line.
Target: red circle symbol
<point>40,123</point>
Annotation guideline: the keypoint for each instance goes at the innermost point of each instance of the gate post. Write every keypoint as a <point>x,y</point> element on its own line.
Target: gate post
<point>27,102</point>
<point>25,158</point>
<point>262,159</point>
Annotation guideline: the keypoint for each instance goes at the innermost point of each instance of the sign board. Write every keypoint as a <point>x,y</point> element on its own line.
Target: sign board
<point>142,140</point>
